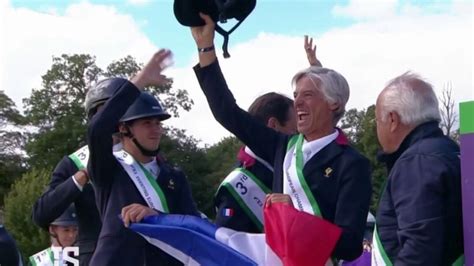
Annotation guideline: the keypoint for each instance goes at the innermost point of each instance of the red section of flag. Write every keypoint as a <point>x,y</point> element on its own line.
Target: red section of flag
<point>228,212</point>
<point>299,238</point>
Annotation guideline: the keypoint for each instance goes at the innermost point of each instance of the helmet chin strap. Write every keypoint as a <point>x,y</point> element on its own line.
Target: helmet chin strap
<point>54,235</point>
<point>143,150</point>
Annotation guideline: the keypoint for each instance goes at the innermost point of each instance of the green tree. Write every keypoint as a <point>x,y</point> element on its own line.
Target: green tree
<point>12,163</point>
<point>204,168</point>
<point>18,206</point>
<point>56,108</point>
<point>221,159</point>
<point>360,127</point>
<point>182,152</point>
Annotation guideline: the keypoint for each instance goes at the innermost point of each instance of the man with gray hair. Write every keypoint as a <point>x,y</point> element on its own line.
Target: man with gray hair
<point>317,170</point>
<point>419,219</point>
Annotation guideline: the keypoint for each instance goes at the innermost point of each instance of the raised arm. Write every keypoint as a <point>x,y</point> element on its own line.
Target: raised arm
<point>61,192</point>
<point>311,52</point>
<point>257,136</point>
<point>106,121</point>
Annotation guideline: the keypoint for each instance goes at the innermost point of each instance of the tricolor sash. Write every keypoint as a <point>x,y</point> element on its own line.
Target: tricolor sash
<point>249,192</point>
<point>380,258</point>
<point>294,183</point>
<point>80,157</point>
<point>144,181</point>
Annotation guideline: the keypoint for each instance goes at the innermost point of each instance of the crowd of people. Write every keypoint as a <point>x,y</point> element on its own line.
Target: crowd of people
<point>294,154</point>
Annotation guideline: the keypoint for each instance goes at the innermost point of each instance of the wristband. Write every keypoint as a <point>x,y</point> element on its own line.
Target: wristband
<point>206,49</point>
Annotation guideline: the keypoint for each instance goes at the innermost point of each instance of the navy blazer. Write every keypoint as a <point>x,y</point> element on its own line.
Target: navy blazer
<point>60,194</point>
<point>343,197</point>
<point>239,220</point>
<point>419,218</point>
<point>114,189</point>
<point>9,254</point>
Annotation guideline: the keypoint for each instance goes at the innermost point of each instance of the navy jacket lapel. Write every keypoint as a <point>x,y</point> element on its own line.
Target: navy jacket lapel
<point>322,158</point>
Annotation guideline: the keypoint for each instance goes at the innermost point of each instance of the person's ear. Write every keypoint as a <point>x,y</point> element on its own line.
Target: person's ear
<point>51,229</point>
<point>394,120</point>
<point>333,106</point>
<point>272,123</point>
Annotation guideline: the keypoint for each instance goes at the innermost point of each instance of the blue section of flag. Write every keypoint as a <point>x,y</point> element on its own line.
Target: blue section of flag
<point>193,236</point>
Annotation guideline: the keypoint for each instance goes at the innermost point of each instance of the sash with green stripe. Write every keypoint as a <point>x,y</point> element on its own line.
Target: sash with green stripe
<point>380,258</point>
<point>43,258</point>
<point>144,181</point>
<point>80,157</point>
<point>249,192</point>
<point>294,183</point>
<point>379,255</point>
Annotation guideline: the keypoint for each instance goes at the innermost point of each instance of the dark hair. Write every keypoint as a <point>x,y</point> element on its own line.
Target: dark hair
<point>271,105</point>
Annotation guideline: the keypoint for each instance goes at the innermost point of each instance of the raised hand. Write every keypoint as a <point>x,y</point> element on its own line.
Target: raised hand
<point>151,74</point>
<point>204,38</point>
<point>311,52</point>
<point>204,35</point>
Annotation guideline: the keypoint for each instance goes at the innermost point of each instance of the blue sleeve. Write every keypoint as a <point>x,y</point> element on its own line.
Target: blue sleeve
<point>257,136</point>
<point>100,130</point>
<point>417,192</point>
<point>352,208</point>
<point>61,192</point>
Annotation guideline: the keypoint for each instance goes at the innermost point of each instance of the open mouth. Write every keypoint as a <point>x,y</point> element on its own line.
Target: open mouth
<point>302,115</point>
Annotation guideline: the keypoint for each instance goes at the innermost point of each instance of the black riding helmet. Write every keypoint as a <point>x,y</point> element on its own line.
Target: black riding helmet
<point>187,13</point>
<point>99,94</point>
<point>67,218</point>
<point>146,105</point>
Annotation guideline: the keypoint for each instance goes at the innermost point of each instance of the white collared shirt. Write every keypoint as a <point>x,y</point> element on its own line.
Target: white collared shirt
<point>153,168</point>
<point>313,147</point>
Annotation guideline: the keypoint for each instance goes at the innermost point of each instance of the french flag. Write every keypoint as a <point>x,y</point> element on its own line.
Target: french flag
<point>228,212</point>
<point>292,238</point>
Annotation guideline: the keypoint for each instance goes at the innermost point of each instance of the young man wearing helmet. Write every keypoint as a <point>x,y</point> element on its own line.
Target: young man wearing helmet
<point>70,184</point>
<point>63,233</point>
<point>129,179</point>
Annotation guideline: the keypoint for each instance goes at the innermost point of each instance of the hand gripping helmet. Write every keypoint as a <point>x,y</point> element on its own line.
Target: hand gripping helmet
<point>187,13</point>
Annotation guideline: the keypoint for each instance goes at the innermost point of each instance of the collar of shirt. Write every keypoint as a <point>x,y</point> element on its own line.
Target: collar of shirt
<point>313,147</point>
<point>152,167</point>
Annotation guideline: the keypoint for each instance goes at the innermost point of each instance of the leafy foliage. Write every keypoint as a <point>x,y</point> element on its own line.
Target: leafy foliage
<point>11,143</point>
<point>56,108</point>
<point>360,128</point>
<point>18,206</point>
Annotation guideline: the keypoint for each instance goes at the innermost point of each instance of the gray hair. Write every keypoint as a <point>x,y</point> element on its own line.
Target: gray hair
<point>332,84</point>
<point>412,98</point>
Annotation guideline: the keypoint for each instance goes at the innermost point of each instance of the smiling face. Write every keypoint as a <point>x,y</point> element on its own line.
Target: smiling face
<point>148,132</point>
<point>65,235</point>
<point>314,113</point>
